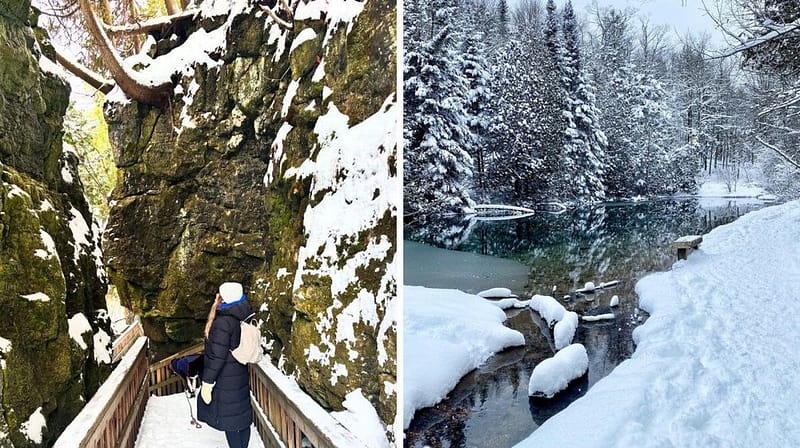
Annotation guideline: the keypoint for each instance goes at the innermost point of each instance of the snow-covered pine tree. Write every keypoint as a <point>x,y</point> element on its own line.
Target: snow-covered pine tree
<point>615,75</point>
<point>478,97</point>
<point>514,168</point>
<point>502,19</point>
<point>583,161</point>
<point>438,169</point>
<point>551,30</point>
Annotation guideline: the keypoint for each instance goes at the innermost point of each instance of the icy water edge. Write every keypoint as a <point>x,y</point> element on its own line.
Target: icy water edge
<point>553,255</point>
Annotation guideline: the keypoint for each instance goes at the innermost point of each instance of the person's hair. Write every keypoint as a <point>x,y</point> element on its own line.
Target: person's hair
<point>212,314</point>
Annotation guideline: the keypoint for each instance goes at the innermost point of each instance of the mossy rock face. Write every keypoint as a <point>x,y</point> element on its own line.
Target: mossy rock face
<point>223,198</point>
<point>49,256</point>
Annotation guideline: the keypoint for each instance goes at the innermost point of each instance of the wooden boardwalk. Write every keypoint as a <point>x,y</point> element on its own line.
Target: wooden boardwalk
<point>284,416</point>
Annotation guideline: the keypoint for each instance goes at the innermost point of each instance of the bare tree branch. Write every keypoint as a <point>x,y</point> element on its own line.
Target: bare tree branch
<point>136,89</point>
<point>93,79</point>
<point>778,150</point>
<point>776,33</point>
<point>275,17</point>
<point>783,105</point>
<point>147,26</point>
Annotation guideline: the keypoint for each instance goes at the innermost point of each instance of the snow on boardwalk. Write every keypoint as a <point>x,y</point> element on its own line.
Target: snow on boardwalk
<point>166,423</point>
<point>716,364</point>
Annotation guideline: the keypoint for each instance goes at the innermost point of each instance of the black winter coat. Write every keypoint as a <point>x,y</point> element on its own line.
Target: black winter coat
<point>230,408</point>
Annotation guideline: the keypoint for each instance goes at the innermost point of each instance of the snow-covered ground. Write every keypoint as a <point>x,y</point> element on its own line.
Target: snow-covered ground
<point>167,423</point>
<point>716,363</point>
<point>719,189</point>
<point>447,334</point>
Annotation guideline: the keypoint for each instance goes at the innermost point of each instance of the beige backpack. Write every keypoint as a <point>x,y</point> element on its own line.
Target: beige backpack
<point>249,349</point>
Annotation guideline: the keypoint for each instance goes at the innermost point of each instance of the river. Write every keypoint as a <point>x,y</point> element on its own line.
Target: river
<point>553,255</point>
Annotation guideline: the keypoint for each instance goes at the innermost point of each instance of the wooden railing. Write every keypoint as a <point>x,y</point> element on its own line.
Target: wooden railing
<point>285,412</point>
<point>113,415</point>
<point>124,341</point>
<point>284,415</point>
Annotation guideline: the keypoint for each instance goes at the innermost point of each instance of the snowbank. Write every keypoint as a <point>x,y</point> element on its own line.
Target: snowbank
<point>447,334</point>
<point>362,420</point>
<point>554,374</point>
<point>716,362</point>
<point>718,189</point>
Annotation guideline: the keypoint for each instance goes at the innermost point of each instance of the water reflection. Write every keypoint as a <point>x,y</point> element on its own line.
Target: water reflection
<point>622,241</point>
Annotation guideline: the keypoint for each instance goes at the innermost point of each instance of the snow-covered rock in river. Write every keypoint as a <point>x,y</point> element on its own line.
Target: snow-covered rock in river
<point>447,334</point>
<point>496,293</point>
<point>598,317</point>
<point>554,374</point>
<point>564,330</point>
<point>563,322</point>
<point>614,301</point>
<point>548,307</point>
<point>505,304</point>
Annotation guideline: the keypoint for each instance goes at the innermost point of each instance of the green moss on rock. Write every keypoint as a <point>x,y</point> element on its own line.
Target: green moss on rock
<point>168,252</point>
<point>43,282</point>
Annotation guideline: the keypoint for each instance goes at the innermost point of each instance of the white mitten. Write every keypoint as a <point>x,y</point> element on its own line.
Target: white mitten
<point>205,392</point>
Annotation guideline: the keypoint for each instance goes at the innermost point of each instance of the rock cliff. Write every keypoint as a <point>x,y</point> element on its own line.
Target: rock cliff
<point>54,332</point>
<point>273,165</point>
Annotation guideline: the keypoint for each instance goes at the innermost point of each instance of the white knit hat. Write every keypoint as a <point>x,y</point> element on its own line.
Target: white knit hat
<point>231,291</point>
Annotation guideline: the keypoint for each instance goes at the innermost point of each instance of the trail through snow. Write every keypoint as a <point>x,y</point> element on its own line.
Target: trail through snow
<point>166,423</point>
<point>716,364</point>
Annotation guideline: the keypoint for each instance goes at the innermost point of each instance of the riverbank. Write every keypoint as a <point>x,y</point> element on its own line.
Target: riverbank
<point>448,333</point>
<point>716,362</point>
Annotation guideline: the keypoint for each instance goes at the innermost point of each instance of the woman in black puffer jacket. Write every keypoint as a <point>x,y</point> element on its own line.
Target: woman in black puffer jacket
<point>224,400</point>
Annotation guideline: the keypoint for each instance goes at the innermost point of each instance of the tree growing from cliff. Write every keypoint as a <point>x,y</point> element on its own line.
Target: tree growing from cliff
<point>108,39</point>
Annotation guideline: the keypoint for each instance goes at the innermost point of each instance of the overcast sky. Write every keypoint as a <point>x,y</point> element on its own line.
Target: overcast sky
<point>680,19</point>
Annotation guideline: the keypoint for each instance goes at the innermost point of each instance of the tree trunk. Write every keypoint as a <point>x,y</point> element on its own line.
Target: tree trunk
<point>90,77</point>
<point>133,14</point>
<point>137,90</point>
<point>172,7</point>
<point>156,24</point>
